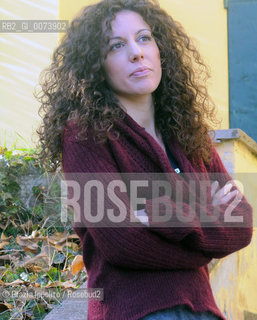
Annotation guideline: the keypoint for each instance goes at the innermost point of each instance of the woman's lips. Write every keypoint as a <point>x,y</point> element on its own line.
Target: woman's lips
<point>140,72</point>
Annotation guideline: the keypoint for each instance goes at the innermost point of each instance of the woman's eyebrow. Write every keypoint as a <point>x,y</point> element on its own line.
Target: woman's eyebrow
<point>118,37</point>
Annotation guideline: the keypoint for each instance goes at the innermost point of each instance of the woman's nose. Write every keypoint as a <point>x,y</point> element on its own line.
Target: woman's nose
<point>136,53</point>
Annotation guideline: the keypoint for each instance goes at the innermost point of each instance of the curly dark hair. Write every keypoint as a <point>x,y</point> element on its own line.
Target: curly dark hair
<point>74,86</point>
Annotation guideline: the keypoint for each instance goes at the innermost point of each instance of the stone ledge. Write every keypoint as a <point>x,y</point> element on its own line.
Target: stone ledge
<point>69,309</point>
<point>249,315</point>
<point>235,134</point>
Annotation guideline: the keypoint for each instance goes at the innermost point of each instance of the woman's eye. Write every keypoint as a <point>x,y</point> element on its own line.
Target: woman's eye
<point>145,38</point>
<point>116,46</point>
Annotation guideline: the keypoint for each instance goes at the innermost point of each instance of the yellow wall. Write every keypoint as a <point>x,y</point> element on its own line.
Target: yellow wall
<point>206,23</point>
<point>68,10</point>
<point>22,57</point>
<point>234,277</point>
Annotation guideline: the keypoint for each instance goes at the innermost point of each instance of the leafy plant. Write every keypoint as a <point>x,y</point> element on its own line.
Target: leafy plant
<point>37,250</point>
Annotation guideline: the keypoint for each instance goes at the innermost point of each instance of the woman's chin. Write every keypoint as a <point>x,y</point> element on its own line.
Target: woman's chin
<point>144,90</point>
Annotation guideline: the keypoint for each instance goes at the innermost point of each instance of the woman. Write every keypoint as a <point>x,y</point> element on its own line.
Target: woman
<point>121,97</point>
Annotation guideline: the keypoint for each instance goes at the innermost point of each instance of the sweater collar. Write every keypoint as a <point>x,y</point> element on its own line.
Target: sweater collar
<point>129,127</point>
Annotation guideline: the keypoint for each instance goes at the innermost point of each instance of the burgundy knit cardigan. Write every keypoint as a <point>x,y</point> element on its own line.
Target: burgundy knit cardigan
<point>144,269</point>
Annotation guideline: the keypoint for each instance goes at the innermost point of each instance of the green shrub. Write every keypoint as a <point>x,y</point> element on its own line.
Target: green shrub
<point>28,193</point>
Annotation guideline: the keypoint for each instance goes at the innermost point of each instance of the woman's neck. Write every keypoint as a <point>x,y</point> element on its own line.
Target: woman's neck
<point>142,111</point>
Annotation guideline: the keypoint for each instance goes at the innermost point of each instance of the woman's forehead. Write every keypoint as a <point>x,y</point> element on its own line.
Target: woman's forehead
<point>128,21</point>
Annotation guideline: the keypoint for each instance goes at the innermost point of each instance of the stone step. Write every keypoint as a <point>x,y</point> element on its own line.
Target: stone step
<point>69,309</point>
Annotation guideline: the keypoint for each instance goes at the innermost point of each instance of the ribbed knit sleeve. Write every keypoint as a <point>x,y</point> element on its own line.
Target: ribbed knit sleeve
<point>130,247</point>
<point>221,237</point>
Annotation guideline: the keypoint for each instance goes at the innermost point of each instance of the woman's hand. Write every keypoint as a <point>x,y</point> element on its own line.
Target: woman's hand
<point>223,195</point>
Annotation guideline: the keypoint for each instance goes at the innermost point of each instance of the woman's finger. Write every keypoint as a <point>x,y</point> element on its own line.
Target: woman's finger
<point>218,200</point>
<point>214,188</point>
<point>224,190</point>
<point>229,196</point>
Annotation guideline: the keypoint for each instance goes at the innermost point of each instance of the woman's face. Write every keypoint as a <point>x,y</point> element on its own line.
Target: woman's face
<point>132,67</point>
